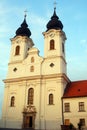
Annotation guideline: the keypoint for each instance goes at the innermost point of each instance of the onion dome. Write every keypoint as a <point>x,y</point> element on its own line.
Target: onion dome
<point>23,30</point>
<point>54,23</point>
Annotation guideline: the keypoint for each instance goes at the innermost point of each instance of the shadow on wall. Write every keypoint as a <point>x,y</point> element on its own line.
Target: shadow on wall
<point>1,99</point>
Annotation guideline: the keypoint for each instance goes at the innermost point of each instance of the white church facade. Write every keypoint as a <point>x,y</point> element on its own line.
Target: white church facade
<point>38,94</point>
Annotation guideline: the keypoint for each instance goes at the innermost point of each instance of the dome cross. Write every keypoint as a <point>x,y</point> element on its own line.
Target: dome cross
<point>25,13</point>
<point>55,3</point>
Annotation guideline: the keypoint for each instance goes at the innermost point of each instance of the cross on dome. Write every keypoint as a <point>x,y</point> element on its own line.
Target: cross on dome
<point>25,13</point>
<point>55,3</point>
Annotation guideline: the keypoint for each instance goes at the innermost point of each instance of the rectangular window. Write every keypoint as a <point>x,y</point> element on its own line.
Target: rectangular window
<point>67,122</point>
<point>67,107</point>
<point>81,106</point>
<point>82,121</point>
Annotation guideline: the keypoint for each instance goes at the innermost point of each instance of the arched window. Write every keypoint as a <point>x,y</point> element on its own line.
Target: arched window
<point>12,103</point>
<point>52,44</point>
<point>32,59</point>
<point>51,99</point>
<point>30,95</point>
<point>32,69</point>
<point>17,50</point>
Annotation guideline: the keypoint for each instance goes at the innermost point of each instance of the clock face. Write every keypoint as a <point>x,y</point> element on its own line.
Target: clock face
<point>52,35</point>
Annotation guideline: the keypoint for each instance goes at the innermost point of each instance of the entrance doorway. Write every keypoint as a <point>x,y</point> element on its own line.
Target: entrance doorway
<point>30,121</point>
<point>29,115</point>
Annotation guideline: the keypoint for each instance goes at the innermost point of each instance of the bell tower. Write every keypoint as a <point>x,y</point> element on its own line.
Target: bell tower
<point>21,43</point>
<point>54,73</point>
<point>54,42</point>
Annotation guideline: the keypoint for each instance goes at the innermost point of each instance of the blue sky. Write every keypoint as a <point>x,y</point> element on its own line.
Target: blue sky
<point>72,13</point>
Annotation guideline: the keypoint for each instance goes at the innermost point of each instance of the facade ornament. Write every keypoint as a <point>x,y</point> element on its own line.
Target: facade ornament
<point>29,109</point>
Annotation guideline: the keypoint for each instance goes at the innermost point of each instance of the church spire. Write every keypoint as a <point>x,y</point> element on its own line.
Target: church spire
<point>23,30</point>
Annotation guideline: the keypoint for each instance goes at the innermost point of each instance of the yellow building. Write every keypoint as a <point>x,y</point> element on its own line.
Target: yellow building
<point>37,93</point>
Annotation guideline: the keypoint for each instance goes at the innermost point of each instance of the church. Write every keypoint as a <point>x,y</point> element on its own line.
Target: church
<point>38,93</point>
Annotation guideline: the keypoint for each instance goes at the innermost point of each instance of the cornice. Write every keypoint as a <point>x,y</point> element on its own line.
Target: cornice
<point>38,77</point>
<point>71,97</point>
<point>19,37</point>
<point>60,32</point>
<point>22,79</point>
<point>60,76</point>
<point>15,62</point>
<point>51,57</point>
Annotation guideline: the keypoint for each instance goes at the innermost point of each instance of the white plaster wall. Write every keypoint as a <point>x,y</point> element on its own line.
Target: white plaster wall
<point>56,56</point>
<point>59,38</point>
<point>74,115</point>
<point>12,116</point>
<point>23,67</point>
<point>51,115</point>
<point>24,43</point>
<point>58,68</point>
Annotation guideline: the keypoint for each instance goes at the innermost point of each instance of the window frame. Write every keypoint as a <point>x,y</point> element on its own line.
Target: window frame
<point>30,96</point>
<point>32,59</point>
<point>52,44</point>
<point>81,107</point>
<point>12,101</point>
<point>17,50</point>
<point>32,68</point>
<point>67,107</point>
<point>51,99</point>
<point>67,122</point>
<point>82,121</point>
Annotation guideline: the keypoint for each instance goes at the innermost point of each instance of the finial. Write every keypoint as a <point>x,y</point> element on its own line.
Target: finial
<point>55,3</point>
<point>25,13</point>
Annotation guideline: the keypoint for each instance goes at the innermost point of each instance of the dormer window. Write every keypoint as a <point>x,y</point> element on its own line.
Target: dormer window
<point>52,44</point>
<point>17,50</point>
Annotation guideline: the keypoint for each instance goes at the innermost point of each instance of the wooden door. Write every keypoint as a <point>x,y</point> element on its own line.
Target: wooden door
<point>30,121</point>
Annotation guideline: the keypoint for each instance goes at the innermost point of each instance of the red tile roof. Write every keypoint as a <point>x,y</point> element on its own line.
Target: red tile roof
<point>76,89</point>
